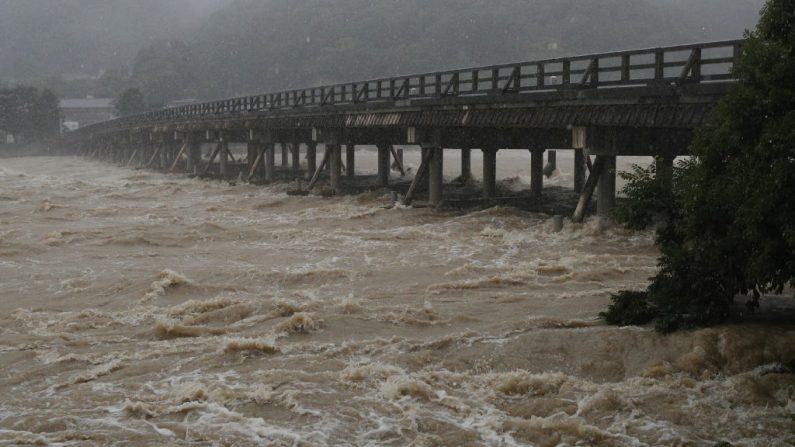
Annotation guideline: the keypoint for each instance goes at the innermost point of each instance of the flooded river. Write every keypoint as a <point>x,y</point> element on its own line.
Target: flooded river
<point>138,308</point>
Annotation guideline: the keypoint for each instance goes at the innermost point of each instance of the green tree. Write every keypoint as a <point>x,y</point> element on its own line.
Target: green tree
<point>112,82</point>
<point>46,115</point>
<point>163,72</point>
<point>731,228</point>
<point>130,102</point>
<point>29,114</point>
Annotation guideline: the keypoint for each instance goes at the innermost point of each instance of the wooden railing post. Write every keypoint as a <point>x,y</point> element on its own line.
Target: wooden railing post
<point>659,65</point>
<point>540,76</point>
<point>625,64</point>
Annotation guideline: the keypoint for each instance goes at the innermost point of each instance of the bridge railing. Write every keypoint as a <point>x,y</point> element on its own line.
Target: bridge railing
<point>673,65</point>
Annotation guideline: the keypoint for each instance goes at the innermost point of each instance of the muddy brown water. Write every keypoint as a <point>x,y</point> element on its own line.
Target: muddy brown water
<point>143,309</point>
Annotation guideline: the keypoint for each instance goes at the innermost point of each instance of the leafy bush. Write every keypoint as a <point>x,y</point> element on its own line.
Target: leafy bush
<point>730,215</point>
<point>629,308</point>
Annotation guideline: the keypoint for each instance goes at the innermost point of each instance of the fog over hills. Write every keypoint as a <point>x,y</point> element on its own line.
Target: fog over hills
<point>39,38</point>
<point>248,46</point>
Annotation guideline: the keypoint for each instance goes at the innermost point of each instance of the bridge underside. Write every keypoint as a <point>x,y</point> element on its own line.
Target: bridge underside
<point>626,121</point>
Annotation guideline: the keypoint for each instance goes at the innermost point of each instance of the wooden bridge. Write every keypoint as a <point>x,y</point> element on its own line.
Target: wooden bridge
<point>640,102</point>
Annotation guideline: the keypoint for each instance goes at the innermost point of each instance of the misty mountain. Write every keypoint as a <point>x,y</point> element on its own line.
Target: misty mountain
<point>253,46</point>
<point>74,38</point>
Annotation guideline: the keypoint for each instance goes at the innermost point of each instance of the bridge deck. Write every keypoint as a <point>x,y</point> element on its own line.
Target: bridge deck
<point>658,87</point>
<point>639,102</point>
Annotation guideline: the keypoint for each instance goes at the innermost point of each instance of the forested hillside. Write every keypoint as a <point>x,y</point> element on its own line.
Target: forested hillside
<point>74,38</point>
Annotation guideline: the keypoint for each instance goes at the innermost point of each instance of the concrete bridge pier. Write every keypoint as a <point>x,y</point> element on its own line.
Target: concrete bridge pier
<point>579,170</point>
<point>383,164</point>
<point>606,192</point>
<point>335,166</point>
<point>664,166</point>
<point>399,159</point>
<point>296,162</point>
<point>489,172</point>
<point>223,155</point>
<point>252,149</point>
<point>552,163</point>
<point>466,165</point>
<point>285,156</point>
<point>578,135</point>
<point>143,154</point>
<point>165,149</point>
<point>537,172</point>
<point>270,161</point>
<point>311,159</point>
<point>436,176</point>
<point>350,161</point>
<point>194,153</point>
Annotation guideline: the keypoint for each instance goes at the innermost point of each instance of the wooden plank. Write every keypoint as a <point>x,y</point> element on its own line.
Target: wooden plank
<point>257,161</point>
<point>512,84</point>
<point>625,67</point>
<point>590,186</point>
<point>135,152</point>
<point>229,153</point>
<point>176,159</point>
<point>320,168</point>
<point>212,158</point>
<point>426,159</point>
<point>152,160</point>
<point>692,69</point>
<point>398,161</point>
<point>540,76</point>
<point>453,86</point>
<point>591,76</point>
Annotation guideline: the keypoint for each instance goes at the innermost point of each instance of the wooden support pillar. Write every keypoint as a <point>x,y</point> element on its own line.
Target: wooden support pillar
<point>417,177</point>
<point>588,189</point>
<point>537,172</point>
<point>143,155</point>
<point>256,165</point>
<point>270,162</point>
<point>398,154</point>
<point>664,167</point>
<point>606,198</point>
<point>579,170</point>
<point>552,163</point>
<point>466,165</point>
<point>132,158</point>
<point>489,172</point>
<point>383,164</point>
<point>579,141</point>
<point>285,156</point>
<point>436,176</point>
<point>316,174</point>
<point>164,148</point>
<point>350,160</point>
<point>251,155</point>
<point>223,159</point>
<point>194,154</point>
<point>177,158</point>
<point>335,165</point>
<point>311,159</point>
<point>296,152</point>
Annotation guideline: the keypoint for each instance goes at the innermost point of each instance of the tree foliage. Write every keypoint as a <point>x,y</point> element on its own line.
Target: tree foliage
<point>163,71</point>
<point>29,114</point>
<point>731,228</point>
<point>130,102</point>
